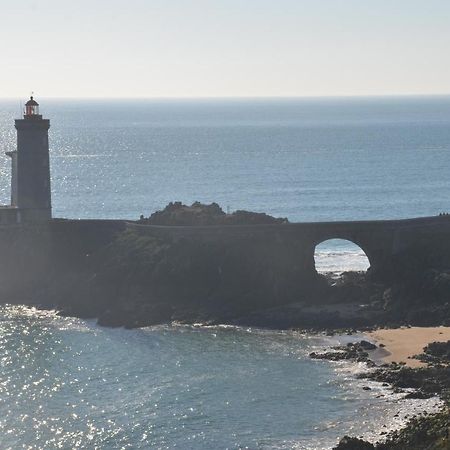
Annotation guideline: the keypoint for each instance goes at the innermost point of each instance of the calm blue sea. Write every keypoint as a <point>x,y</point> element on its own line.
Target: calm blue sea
<point>303,159</point>
<point>68,383</point>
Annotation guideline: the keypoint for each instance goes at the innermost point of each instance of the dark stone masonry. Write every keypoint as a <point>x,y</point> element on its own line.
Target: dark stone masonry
<point>137,273</point>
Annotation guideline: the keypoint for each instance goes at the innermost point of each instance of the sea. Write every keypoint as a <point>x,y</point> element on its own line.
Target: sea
<point>68,383</point>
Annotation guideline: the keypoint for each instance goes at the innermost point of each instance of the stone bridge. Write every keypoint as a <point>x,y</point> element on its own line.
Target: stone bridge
<point>273,263</point>
<point>385,242</point>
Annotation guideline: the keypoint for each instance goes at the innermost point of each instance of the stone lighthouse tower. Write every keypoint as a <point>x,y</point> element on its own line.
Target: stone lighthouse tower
<point>30,181</point>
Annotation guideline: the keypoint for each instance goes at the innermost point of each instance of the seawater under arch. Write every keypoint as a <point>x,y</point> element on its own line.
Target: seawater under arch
<point>340,255</point>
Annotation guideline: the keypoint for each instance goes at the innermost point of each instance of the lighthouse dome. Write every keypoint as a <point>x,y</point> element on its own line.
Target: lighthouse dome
<point>32,109</point>
<point>32,102</point>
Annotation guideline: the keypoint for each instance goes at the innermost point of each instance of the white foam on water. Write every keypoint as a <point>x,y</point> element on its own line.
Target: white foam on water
<point>378,410</point>
<point>337,256</point>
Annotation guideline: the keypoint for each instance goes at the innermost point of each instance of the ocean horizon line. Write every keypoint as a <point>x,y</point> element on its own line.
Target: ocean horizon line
<point>238,98</point>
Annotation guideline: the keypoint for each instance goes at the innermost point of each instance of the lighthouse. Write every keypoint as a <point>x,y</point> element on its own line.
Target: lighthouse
<point>30,170</point>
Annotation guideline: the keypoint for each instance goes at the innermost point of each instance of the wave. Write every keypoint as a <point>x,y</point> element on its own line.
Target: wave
<point>341,261</point>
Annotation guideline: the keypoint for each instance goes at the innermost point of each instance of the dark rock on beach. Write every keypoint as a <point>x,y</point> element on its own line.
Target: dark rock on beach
<point>366,345</point>
<point>428,380</point>
<point>353,351</point>
<point>352,443</point>
<point>427,432</point>
<point>436,353</point>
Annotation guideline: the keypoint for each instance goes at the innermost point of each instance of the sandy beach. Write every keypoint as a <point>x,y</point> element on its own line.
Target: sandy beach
<point>401,344</point>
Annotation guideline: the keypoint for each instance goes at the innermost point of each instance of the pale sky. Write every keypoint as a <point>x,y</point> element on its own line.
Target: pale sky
<point>223,48</point>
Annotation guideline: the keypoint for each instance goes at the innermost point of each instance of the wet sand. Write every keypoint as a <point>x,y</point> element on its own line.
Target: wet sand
<point>401,344</point>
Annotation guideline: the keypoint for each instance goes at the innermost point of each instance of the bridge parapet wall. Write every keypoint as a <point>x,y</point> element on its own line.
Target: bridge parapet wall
<point>383,241</point>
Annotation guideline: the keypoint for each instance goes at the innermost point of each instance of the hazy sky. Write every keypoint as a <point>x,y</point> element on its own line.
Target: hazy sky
<point>204,48</point>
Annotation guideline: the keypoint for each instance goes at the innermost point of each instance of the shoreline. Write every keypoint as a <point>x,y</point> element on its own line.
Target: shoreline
<point>356,346</point>
<point>400,345</point>
<point>389,355</point>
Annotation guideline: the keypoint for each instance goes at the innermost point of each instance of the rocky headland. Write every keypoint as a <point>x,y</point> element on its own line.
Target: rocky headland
<point>135,274</point>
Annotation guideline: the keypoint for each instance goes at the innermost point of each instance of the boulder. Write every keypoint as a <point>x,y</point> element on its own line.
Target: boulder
<point>352,443</point>
<point>366,345</point>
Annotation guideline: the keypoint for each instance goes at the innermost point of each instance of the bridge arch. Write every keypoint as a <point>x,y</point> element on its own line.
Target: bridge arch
<point>337,254</point>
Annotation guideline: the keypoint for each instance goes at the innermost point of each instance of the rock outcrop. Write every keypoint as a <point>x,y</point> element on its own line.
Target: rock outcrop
<point>177,214</point>
<point>135,274</point>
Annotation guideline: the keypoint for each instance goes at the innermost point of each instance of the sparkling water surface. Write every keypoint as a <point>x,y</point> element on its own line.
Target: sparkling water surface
<point>310,159</point>
<point>67,383</point>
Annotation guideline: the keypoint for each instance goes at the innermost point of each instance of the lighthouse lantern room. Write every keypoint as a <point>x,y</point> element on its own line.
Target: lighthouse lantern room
<point>31,108</point>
